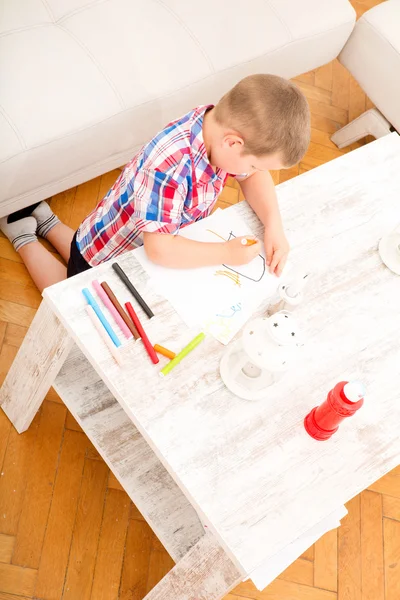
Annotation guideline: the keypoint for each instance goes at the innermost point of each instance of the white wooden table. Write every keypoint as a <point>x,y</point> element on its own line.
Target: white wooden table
<point>184,445</point>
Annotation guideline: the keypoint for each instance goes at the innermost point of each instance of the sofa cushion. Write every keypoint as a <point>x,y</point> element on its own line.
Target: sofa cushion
<point>143,57</point>
<point>53,86</point>
<point>60,9</point>
<point>20,15</point>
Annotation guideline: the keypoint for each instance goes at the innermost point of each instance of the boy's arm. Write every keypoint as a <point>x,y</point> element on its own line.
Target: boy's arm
<point>259,191</point>
<point>178,252</point>
<point>159,204</point>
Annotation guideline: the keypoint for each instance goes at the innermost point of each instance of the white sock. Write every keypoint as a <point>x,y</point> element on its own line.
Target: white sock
<point>20,232</point>
<point>45,218</point>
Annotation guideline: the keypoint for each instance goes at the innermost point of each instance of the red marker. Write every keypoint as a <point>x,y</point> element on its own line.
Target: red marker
<point>342,401</point>
<point>150,350</point>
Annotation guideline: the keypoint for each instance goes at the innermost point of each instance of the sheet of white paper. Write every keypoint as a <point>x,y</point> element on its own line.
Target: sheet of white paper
<point>217,299</point>
<point>267,572</point>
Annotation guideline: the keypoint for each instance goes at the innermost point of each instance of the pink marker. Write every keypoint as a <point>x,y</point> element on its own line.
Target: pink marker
<point>107,302</point>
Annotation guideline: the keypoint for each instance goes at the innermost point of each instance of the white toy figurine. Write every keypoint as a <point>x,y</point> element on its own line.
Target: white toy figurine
<point>267,348</point>
<point>291,294</point>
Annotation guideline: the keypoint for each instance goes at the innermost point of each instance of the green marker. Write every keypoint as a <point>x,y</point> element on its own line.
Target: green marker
<point>191,346</point>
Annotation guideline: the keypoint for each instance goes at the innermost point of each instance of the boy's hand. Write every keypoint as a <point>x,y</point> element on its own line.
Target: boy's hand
<point>240,254</point>
<point>276,249</point>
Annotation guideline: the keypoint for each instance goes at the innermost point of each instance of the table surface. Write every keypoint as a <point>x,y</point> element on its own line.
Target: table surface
<point>249,468</point>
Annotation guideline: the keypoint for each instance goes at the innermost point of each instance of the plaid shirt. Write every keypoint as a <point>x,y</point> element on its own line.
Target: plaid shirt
<point>167,185</point>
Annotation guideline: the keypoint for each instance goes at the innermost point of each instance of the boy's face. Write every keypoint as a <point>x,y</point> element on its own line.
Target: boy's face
<point>228,154</point>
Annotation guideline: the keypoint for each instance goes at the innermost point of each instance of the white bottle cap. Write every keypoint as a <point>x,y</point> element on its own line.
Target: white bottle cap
<point>354,391</point>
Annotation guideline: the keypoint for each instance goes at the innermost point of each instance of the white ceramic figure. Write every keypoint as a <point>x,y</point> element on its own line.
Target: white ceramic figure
<point>266,349</point>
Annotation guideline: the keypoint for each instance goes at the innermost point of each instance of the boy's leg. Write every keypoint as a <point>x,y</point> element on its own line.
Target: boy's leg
<point>60,236</point>
<point>50,227</point>
<point>43,267</point>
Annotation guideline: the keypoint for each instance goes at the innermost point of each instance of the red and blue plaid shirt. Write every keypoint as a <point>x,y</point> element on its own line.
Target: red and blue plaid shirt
<point>167,185</point>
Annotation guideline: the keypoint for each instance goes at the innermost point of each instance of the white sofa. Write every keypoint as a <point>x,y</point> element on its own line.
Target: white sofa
<point>84,83</point>
<point>372,55</point>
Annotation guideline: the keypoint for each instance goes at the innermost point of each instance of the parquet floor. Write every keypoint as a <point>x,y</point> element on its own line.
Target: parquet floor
<point>67,529</point>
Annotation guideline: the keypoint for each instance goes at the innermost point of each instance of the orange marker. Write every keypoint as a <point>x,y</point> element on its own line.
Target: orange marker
<point>248,242</point>
<point>164,351</point>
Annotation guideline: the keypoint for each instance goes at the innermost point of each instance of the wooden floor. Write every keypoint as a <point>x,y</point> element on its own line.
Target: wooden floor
<point>68,530</point>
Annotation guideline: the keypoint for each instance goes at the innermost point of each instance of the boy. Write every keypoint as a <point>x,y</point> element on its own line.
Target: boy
<point>261,124</point>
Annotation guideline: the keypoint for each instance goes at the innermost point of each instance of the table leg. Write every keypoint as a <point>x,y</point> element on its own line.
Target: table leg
<point>40,357</point>
<point>204,573</point>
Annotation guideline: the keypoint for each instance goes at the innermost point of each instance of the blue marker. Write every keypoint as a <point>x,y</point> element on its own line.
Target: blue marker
<point>101,317</point>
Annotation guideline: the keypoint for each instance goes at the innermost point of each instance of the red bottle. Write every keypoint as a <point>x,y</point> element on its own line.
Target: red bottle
<point>343,401</point>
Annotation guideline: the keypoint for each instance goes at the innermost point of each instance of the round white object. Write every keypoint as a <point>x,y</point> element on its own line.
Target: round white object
<point>390,252</point>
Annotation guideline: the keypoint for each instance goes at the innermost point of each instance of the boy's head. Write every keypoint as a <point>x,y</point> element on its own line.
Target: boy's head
<point>263,123</point>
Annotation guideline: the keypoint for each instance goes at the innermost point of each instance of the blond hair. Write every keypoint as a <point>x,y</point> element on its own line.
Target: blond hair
<point>270,113</point>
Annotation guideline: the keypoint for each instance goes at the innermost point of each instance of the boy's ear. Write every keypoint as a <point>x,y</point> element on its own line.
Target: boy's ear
<point>232,139</point>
